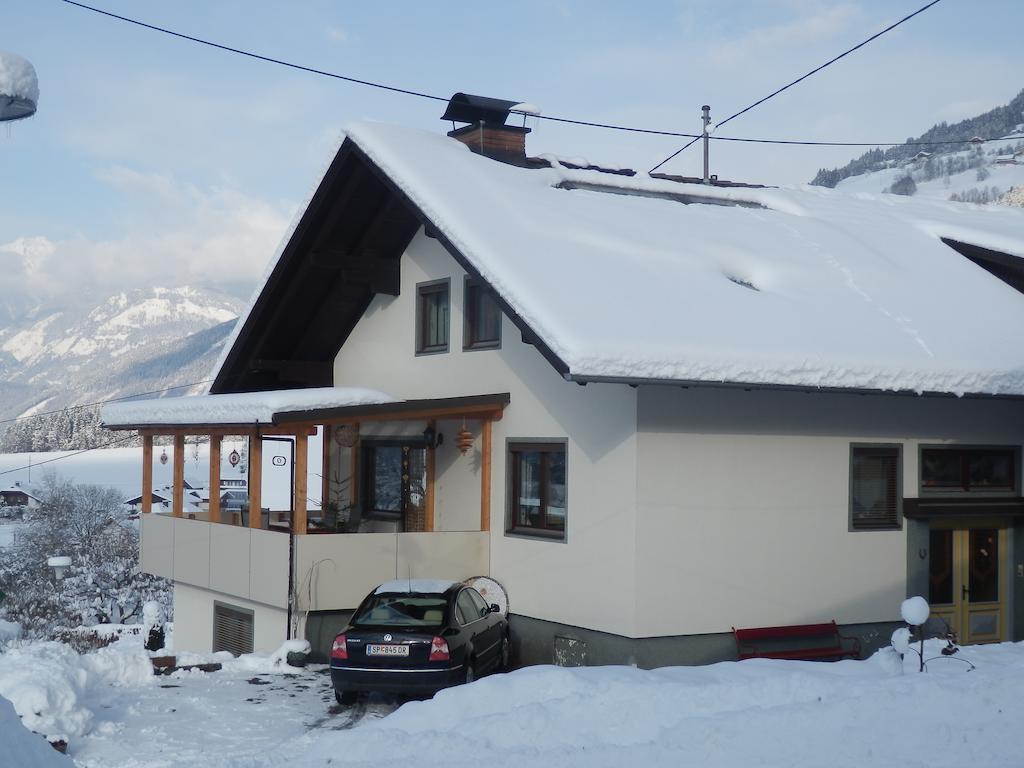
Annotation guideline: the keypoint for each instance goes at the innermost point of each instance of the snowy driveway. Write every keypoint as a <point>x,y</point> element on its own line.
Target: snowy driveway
<point>208,719</point>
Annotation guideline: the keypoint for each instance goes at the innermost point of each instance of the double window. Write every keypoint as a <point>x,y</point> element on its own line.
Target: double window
<point>875,495</point>
<point>969,470</point>
<point>537,489</point>
<point>482,316</point>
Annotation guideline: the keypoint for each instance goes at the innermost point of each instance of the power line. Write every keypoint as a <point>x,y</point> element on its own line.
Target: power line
<point>802,78</point>
<point>82,406</point>
<point>124,439</point>
<point>550,118</point>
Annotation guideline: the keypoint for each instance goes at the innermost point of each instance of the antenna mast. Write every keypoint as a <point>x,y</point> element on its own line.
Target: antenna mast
<point>706,119</point>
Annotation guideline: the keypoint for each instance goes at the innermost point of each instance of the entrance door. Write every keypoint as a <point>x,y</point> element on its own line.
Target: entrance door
<point>967,585</point>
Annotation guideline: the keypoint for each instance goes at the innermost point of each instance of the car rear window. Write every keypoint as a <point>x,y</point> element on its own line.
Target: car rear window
<point>402,611</point>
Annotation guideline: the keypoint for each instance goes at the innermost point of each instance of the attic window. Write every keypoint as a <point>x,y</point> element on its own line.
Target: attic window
<point>432,317</point>
<point>744,283</point>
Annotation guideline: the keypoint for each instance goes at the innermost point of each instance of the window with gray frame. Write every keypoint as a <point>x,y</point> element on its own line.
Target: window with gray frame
<point>482,317</point>
<point>973,470</point>
<point>432,317</point>
<point>875,496</point>
<point>537,503</point>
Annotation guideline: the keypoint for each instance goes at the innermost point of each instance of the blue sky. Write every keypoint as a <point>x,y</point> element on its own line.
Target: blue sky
<point>156,161</point>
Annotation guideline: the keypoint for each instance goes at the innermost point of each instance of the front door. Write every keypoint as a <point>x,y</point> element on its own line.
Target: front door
<point>967,586</point>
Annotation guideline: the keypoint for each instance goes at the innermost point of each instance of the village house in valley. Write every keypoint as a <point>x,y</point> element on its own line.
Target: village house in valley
<point>651,409</point>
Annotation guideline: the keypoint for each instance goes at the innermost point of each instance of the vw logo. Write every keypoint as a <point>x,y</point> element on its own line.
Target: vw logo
<point>387,638</point>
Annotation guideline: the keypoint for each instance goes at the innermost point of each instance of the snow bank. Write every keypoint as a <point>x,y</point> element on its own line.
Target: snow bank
<point>9,630</point>
<point>246,408</point>
<point>760,712</point>
<point>48,683</point>
<point>22,748</point>
<point>18,77</point>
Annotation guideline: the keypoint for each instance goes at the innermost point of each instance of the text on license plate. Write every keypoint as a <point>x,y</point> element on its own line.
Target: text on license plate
<point>387,650</point>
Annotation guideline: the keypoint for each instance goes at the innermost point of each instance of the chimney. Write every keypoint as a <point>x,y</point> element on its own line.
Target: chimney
<point>487,133</point>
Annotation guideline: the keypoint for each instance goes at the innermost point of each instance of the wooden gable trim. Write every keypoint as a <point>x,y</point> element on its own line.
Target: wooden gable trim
<point>290,336</point>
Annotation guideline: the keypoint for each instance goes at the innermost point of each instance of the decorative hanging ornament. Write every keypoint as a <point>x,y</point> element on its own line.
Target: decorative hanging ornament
<point>346,435</point>
<point>234,457</point>
<point>163,456</point>
<point>464,440</point>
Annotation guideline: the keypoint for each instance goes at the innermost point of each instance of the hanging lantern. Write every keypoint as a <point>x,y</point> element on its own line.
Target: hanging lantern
<point>234,457</point>
<point>464,439</point>
<point>163,456</point>
<point>346,435</point>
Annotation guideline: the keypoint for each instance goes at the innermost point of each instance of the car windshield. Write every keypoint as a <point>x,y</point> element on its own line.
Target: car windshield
<point>402,611</point>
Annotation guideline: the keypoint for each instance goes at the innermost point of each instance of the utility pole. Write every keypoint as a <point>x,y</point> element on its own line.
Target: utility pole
<point>706,118</point>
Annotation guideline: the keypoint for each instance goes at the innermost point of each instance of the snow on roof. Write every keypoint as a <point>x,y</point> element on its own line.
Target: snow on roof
<point>18,77</point>
<point>19,489</point>
<point>244,408</point>
<point>799,286</point>
<point>419,586</point>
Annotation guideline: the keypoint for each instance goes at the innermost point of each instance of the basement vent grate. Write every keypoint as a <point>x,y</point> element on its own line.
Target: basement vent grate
<point>232,629</point>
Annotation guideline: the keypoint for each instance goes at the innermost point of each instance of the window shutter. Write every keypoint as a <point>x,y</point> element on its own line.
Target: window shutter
<point>232,629</point>
<point>874,488</point>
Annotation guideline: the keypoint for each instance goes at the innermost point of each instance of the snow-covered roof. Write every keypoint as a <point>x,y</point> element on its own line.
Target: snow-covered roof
<point>636,279</point>
<point>242,409</point>
<point>19,489</point>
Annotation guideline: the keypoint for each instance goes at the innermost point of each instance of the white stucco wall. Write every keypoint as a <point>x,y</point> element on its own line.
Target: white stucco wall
<point>588,580</point>
<point>193,620</point>
<point>743,503</point>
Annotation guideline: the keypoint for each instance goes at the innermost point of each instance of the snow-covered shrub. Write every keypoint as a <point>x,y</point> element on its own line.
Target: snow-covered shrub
<point>903,186</point>
<point>103,584</point>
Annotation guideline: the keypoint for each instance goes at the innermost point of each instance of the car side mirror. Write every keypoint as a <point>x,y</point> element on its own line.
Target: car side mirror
<point>495,608</point>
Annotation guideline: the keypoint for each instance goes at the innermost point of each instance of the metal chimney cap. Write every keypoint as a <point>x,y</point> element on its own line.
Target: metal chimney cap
<point>467,108</point>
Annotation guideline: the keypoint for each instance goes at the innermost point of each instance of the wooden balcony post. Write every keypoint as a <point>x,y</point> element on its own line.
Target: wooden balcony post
<point>301,480</point>
<point>255,479</point>
<point>325,466</point>
<point>147,474</point>
<point>485,476</point>
<point>178,505</point>
<point>214,506</point>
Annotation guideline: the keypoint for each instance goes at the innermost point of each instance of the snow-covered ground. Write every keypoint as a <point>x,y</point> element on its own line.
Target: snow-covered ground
<point>9,532</point>
<point>879,712</point>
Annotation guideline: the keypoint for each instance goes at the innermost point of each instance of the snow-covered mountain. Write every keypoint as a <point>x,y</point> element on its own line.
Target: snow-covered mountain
<point>135,341</point>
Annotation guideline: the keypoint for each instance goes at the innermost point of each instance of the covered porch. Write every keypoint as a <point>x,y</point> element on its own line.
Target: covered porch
<point>391,489</point>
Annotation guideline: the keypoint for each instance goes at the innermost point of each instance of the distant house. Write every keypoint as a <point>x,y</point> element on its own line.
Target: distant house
<point>135,503</point>
<point>652,409</point>
<point>16,496</point>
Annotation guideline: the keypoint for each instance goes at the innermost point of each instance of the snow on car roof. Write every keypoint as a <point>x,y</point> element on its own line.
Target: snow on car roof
<point>417,586</point>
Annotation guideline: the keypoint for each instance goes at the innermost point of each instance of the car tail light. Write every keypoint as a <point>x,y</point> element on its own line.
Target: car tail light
<point>340,648</point>
<point>439,649</point>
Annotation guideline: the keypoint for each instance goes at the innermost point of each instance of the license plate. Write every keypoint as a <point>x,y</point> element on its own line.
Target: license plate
<point>387,650</point>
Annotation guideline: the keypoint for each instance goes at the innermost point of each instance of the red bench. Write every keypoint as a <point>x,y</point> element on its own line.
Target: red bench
<point>807,642</point>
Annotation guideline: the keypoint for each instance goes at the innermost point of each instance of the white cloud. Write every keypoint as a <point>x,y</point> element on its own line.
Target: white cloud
<point>34,251</point>
<point>173,233</point>
<point>337,34</point>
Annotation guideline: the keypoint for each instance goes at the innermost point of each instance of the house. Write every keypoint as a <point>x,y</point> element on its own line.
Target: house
<point>651,409</point>
<point>16,496</point>
<point>134,504</point>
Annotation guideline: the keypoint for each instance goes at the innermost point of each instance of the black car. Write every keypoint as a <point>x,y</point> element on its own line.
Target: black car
<point>417,637</point>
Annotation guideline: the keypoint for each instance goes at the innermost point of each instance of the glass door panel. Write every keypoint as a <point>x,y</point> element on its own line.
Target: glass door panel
<point>964,570</point>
